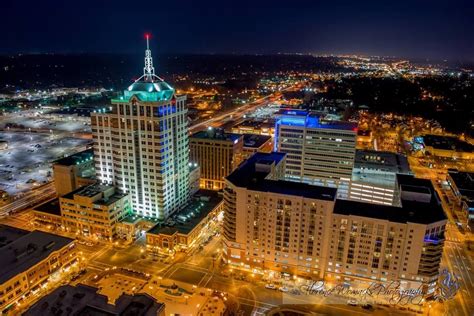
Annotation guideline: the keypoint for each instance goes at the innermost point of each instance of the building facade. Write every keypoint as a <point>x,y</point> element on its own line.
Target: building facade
<point>275,224</point>
<point>194,178</point>
<point>27,261</point>
<point>141,146</point>
<point>94,210</point>
<point>318,151</point>
<point>217,154</point>
<point>48,214</point>
<point>191,225</point>
<point>365,139</point>
<point>74,171</point>
<point>374,177</point>
<point>462,185</point>
<point>300,229</point>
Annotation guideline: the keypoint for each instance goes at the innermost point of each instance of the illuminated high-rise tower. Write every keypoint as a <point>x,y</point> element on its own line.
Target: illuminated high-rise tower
<point>141,146</point>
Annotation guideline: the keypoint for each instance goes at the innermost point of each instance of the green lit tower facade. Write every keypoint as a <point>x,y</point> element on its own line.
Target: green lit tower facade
<point>141,146</point>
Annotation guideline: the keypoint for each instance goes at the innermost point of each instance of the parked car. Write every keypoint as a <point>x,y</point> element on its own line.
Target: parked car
<point>270,286</point>
<point>352,302</point>
<point>367,306</point>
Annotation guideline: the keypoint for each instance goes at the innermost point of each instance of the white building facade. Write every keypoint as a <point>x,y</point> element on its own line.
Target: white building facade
<point>318,152</point>
<point>293,228</point>
<point>141,146</point>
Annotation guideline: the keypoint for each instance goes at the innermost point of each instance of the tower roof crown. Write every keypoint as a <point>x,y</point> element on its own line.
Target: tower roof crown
<point>149,86</point>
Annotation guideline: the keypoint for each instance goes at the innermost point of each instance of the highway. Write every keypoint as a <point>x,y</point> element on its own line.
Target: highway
<point>236,113</point>
<point>28,199</point>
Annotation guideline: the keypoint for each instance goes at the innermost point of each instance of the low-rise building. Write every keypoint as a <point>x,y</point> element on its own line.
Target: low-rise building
<point>259,127</point>
<point>48,214</point>
<point>129,229</point>
<point>364,139</point>
<point>447,147</point>
<point>254,143</point>
<point>74,171</point>
<point>462,185</point>
<point>94,210</point>
<point>27,261</point>
<point>83,300</point>
<point>189,226</point>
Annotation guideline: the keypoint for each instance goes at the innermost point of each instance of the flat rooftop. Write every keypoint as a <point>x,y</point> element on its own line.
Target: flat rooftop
<point>255,140</point>
<point>295,189</point>
<point>307,119</point>
<point>131,219</point>
<point>256,123</point>
<point>247,175</point>
<point>386,180</point>
<point>52,207</point>
<point>77,158</point>
<point>216,134</point>
<point>9,234</point>
<point>410,211</point>
<point>381,160</point>
<point>464,181</point>
<point>447,143</point>
<point>203,202</point>
<point>93,190</point>
<point>83,300</point>
<point>28,250</point>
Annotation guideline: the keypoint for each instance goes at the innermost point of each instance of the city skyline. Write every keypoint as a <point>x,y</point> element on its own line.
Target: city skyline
<point>236,184</point>
<point>368,28</point>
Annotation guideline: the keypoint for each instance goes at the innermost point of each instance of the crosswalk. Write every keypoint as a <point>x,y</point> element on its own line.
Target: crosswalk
<point>453,239</point>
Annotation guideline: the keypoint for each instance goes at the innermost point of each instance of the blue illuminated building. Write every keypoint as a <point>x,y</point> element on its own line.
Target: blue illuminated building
<point>318,151</point>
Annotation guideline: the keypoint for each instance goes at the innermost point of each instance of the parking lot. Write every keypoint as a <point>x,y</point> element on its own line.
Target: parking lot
<point>26,162</point>
<point>26,121</point>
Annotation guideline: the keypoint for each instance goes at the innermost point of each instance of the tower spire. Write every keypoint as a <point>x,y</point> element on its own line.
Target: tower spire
<point>148,70</point>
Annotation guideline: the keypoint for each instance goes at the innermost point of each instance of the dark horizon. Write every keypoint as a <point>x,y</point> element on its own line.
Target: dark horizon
<point>435,30</point>
<point>139,55</point>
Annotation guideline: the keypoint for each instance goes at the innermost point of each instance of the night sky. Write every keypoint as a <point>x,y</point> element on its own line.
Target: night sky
<point>406,28</point>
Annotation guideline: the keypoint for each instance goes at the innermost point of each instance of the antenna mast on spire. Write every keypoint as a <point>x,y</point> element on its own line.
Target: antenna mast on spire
<point>148,70</point>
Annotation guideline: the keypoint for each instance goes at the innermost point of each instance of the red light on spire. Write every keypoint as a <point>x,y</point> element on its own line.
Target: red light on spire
<point>147,35</point>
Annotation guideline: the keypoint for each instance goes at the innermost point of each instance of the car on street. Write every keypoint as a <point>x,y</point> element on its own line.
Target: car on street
<point>270,286</point>
<point>352,302</point>
<point>283,289</point>
<point>295,292</point>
